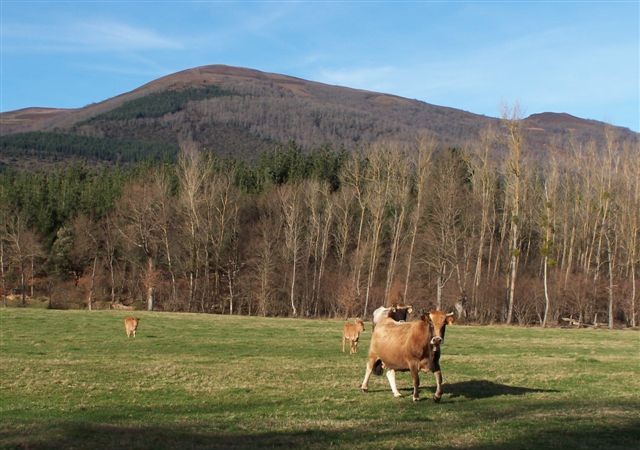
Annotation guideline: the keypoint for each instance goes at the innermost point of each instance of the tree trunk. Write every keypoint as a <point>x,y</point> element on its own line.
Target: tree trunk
<point>112,279</point>
<point>570,257</point>
<point>93,283</point>
<point>358,262</point>
<point>407,278</point>
<point>546,293</point>
<point>324,248</point>
<point>22,285</point>
<point>174,294</point>
<point>31,280</point>
<point>372,262</point>
<point>478,272</point>
<point>611,262</point>
<point>3,292</point>
<point>294,310</point>
<point>150,287</point>
<point>393,256</point>
<point>230,279</point>
<point>440,286</point>
<point>512,276</point>
<point>633,295</point>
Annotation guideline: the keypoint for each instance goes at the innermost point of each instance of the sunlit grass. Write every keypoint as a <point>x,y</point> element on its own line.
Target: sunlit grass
<point>72,379</point>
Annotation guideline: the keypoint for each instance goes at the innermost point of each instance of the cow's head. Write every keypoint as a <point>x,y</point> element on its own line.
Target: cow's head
<point>438,321</point>
<point>400,312</point>
<point>360,325</point>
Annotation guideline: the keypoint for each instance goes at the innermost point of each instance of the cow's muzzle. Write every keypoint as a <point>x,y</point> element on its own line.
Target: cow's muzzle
<point>436,340</point>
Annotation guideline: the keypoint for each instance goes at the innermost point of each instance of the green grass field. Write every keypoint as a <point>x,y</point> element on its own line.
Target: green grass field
<point>72,380</point>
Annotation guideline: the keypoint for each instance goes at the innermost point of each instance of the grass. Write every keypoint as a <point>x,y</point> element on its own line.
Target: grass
<point>72,380</point>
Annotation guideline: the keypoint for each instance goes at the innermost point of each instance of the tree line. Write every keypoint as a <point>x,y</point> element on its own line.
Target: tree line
<point>51,145</point>
<point>505,239</point>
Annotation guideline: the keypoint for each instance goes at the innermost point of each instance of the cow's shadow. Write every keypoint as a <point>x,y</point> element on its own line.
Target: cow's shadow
<point>476,389</point>
<point>473,389</point>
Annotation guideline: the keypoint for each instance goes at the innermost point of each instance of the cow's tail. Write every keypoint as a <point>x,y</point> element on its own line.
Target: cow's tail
<point>377,367</point>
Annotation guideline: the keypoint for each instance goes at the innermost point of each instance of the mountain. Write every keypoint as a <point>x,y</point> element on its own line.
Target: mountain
<point>241,112</point>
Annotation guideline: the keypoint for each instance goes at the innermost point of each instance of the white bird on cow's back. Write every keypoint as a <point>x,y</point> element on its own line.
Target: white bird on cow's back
<point>397,312</point>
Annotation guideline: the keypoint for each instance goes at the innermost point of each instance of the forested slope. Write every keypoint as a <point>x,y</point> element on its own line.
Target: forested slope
<point>228,190</point>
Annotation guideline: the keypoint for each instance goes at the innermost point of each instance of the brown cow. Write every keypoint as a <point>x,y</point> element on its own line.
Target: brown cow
<point>131,325</point>
<point>351,332</point>
<point>408,346</point>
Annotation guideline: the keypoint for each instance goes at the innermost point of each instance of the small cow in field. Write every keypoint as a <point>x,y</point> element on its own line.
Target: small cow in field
<point>351,333</point>
<point>408,346</point>
<point>130,326</point>
<point>397,312</point>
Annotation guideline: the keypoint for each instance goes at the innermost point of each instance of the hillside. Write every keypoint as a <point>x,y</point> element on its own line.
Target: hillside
<point>241,112</point>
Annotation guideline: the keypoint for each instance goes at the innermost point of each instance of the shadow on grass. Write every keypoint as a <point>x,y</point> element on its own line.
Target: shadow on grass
<point>106,437</point>
<point>473,389</point>
<point>609,437</point>
<point>157,438</point>
<point>476,389</point>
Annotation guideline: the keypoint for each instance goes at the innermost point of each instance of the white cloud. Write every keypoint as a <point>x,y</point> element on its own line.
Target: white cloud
<point>371,78</point>
<point>109,35</point>
<point>84,36</point>
<point>545,71</point>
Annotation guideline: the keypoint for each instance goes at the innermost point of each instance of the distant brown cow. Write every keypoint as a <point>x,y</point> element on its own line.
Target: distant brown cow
<point>408,346</point>
<point>351,333</point>
<point>131,325</point>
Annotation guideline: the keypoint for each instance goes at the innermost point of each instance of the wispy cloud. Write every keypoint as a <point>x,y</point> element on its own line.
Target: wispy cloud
<point>372,78</point>
<point>84,36</point>
<point>547,70</point>
<point>131,64</point>
<point>236,32</point>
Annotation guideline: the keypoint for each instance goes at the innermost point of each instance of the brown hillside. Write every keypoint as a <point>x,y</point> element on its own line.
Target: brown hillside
<point>257,109</point>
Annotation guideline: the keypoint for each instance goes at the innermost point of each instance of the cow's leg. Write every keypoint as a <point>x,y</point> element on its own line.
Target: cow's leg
<point>438,394</point>
<point>367,374</point>
<point>343,339</point>
<point>415,377</point>
<point>391,376</point>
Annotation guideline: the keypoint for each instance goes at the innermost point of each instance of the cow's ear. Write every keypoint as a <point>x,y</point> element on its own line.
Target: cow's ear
<point>424,317</point>
<point>450,318</point>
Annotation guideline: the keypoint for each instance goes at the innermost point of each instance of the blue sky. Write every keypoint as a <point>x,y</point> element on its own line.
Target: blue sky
<point>579,57</point>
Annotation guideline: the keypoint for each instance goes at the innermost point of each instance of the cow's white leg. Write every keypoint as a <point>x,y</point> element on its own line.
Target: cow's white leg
<point>438,394</point>
<point>343,338</point>
<point>367,375</point>
<point>391,376</point>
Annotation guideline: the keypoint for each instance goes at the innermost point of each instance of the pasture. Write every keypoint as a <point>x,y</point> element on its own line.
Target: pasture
<point>72,380</point>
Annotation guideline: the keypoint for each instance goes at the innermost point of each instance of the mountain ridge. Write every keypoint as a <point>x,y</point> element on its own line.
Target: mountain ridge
<point>242,111</point>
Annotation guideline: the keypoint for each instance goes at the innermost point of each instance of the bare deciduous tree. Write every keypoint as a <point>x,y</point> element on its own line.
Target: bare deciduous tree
<point>513,174</point>
<point>291,202</point>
